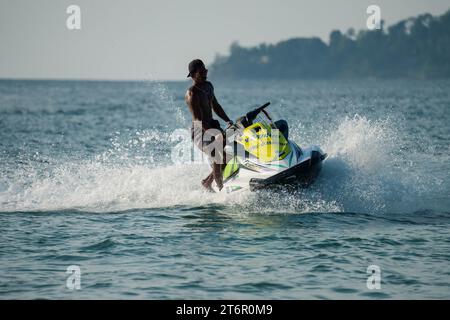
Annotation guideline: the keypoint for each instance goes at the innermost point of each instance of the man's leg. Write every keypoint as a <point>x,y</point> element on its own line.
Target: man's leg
<point>208,180</point>
<point>215,150</point>
<point>217,173</point>
<point>197,139</point>
<point>220,165</point>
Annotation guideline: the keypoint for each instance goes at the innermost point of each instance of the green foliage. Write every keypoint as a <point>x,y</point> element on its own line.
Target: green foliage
<point>416,47</point>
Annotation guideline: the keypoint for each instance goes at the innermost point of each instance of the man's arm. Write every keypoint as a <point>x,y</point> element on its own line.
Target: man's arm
<point>218,108</point>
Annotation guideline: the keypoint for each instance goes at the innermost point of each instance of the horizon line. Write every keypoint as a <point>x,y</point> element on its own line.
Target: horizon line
<point>88,79</point>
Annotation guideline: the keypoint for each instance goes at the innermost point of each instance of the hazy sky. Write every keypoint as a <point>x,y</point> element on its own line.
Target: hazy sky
<point>155,39</point>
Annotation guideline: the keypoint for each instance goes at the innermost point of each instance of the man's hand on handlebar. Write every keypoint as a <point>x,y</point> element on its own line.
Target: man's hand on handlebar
<point>229,124</point>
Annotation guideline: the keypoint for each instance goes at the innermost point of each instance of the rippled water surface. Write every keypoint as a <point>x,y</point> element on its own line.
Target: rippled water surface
<point>89,178</point>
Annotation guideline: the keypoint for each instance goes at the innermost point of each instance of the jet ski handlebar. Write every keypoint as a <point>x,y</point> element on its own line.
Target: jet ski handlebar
<point>247,120</point>
<point>254,113</point>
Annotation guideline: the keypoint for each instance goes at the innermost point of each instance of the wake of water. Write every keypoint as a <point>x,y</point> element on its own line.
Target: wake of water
<point>368,169</point>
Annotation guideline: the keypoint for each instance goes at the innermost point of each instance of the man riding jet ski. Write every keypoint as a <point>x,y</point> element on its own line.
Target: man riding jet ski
<point>260,156</point>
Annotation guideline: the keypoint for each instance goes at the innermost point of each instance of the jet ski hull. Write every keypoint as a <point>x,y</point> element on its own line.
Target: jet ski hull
<point>302,174</point>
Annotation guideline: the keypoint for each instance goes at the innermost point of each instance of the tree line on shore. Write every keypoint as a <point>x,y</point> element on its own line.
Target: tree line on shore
<point>416,47</point>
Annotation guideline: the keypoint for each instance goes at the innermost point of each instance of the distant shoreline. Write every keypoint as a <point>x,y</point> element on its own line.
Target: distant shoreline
<point>414,48</point>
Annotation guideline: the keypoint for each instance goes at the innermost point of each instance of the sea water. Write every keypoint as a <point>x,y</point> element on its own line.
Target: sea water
<point>90,181</point>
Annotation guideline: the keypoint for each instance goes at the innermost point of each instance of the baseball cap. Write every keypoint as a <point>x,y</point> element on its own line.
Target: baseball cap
<point>194,65</point>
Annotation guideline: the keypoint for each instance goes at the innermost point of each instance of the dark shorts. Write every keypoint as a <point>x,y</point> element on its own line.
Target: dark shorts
<point>203,140</point>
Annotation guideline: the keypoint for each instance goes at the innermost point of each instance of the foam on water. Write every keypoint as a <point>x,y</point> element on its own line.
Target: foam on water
<point>367,170</point>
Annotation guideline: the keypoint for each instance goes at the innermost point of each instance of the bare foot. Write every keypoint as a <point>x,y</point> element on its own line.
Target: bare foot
<point>207,186</point>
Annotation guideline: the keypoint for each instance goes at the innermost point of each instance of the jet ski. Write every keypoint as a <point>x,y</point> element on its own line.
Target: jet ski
<point>261,157</point>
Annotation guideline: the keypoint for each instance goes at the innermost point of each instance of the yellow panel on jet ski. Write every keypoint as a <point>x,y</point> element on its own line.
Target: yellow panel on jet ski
<point>259,141</point>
